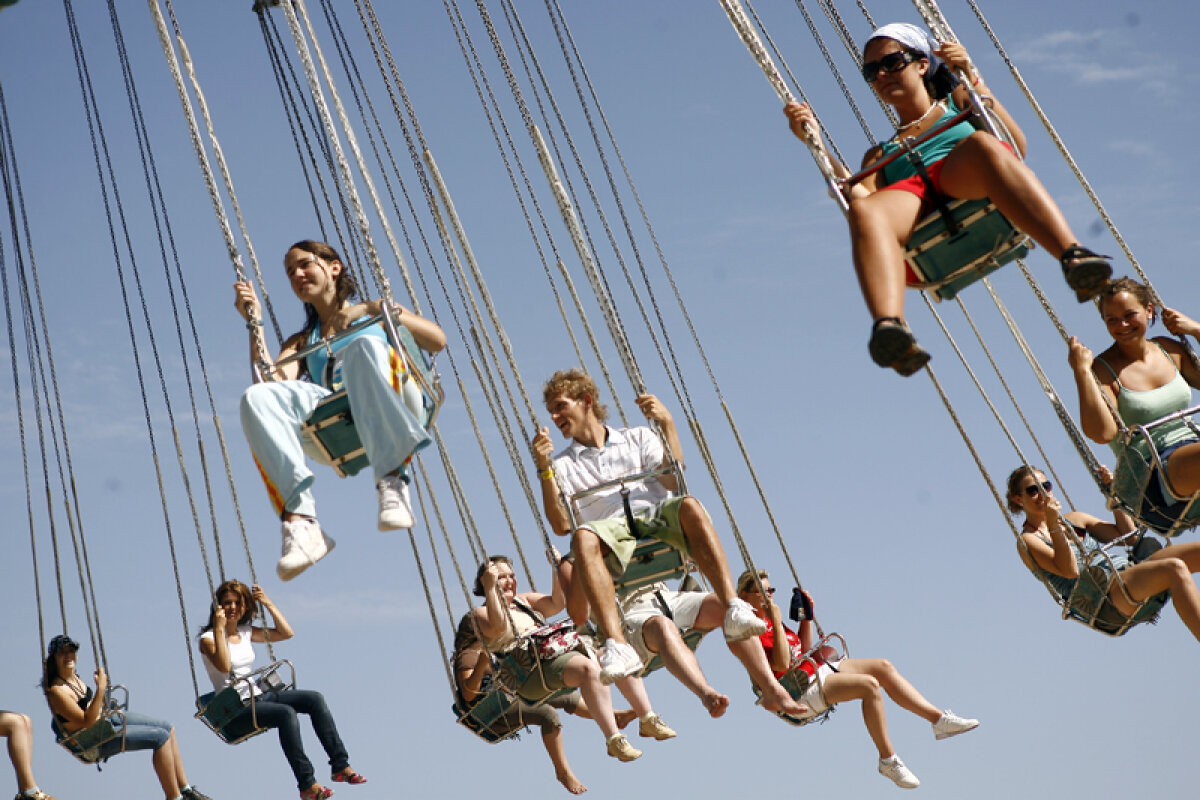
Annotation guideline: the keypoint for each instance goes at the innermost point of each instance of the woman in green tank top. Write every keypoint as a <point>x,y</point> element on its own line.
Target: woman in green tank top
<point>1145,379</point>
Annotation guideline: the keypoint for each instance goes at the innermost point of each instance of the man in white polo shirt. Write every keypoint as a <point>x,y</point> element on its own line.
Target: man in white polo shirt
<point>604,541</point>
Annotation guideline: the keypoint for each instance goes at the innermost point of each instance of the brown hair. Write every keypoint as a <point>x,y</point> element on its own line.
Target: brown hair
<point>249,605</point>
<point>478,589</point>
<point>1140,292</point>
<point>347,288</point>
<point>575,384</point>
<point>1014,481</point>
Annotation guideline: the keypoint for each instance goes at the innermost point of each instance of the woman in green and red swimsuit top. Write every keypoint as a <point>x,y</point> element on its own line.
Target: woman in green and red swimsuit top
<point>912,73</point>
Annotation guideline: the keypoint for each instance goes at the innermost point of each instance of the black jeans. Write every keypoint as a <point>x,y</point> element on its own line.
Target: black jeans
<point>279,710</point>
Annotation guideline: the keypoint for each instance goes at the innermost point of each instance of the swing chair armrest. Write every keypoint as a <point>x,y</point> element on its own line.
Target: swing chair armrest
<point>115,704</point>
<point>833,640</point>
<point>261,678</point>
<point>1143,431</point>
<point>666,469</point>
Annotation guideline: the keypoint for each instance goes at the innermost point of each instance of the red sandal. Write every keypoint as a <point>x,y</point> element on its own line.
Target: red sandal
<point>348,775</point>
<point>316,792</point>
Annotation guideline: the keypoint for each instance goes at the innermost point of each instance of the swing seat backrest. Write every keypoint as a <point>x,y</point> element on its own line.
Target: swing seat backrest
<point>218,710</point>
<point>652,561</point>
<point>486,719</point>
<point>85,744</point>
<point>943,261</point>
<point>1136,479</point>
<point>331,428</point>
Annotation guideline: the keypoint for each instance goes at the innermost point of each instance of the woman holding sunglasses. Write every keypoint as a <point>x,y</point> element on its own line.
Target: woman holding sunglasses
<point>834,682</point>
<point>914,75</point>
<point>226,642</point>
<point>1048,552</point>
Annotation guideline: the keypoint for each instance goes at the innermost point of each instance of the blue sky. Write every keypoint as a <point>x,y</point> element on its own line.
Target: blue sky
<point>889,523</point>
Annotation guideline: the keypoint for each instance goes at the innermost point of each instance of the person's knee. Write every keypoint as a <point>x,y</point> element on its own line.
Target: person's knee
<point>586,545</point>
<point>656,631</point>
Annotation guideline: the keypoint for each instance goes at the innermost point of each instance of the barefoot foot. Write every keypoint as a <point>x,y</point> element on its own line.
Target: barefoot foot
<point>624,717</point>
<point>570,782</point>
<point>779,701</point>
<point>716,703</point>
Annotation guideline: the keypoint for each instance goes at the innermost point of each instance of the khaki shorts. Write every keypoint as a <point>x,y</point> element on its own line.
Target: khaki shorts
<point>685,607</point>
<point>548,680</point>
<point>659,522</point>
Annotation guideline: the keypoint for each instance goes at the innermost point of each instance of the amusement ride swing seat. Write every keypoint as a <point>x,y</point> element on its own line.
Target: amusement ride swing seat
<point>481,717</point>
<point>1139,468</point>
<point>797,680</point>
<point>218,709</point>
<point>85,743</point>
<point>1088,601</point>
<point>831,647</point>
<point>960,241</point>
<point>331,426</point>
<point>653,561</point>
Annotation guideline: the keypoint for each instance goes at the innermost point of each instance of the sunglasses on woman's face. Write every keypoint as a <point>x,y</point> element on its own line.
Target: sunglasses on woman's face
<point>1032,489</point>
<point>892,62</point>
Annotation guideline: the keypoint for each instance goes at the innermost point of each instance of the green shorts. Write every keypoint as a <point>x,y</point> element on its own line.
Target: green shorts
<point>544,682</point>
<point>659,522</point>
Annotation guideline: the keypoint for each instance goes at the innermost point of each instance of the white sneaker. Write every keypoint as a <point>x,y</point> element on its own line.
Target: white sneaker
<point>395,506</point>
<point>304,544</point>
<point>741,622</point>
<point>617,661</point>
<point>894,769</point>
<point>951,724</point>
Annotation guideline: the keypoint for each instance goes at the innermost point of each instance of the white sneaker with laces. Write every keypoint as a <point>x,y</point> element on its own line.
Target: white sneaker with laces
<point>395,505</point>
<point>304,544</point>
<point>950,724</point>
<point>893,769</point>
<point>741,622</point>
<point>617,661</point>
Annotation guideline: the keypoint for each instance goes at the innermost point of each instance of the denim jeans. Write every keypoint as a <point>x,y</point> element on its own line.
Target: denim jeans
<point>279,710</point>
<point>141,733</point>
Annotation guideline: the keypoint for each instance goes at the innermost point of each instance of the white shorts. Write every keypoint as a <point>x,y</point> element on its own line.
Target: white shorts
<point>643,604</point>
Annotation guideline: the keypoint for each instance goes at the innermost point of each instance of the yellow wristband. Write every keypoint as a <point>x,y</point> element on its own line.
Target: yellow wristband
<point>547,474</point>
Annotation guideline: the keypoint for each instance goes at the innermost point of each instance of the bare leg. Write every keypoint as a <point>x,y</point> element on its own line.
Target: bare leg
<point>1183,468</point>
<point>842,687</point>
<point>634,690</point>
<point>18,728</point>
<point>896,685</point>
<point>880,225</point>
<point>168,766</point>
<point>623,716</point>
<point>577,602</point>
<point>558,757</point>
<point>1169,568</point>
<point>597,583</point>
<point>706,549</point>
<point>662,636</point>
<point>584,673</point>
<point>750,652</point>
<point>980,166</point>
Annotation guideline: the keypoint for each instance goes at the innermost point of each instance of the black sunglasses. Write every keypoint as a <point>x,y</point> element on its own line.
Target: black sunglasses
<point>1032,490</point>
<point>892,62</point>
